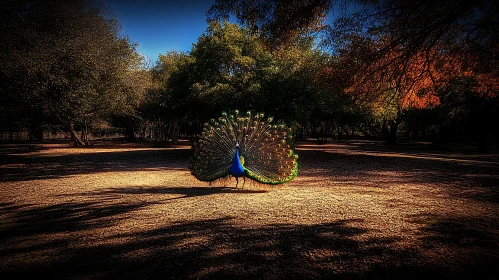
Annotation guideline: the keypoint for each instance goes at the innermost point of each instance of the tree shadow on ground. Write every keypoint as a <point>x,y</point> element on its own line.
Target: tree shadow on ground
<point>36,167</point>
<point>380,166</point>
<point>373,170</point>
<point>32,220</point>
<point>474,237</point>
<point>92,239</point>
<point>216,248</point>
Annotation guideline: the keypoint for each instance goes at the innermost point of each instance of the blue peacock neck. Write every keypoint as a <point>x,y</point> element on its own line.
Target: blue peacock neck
<point>237,169</point>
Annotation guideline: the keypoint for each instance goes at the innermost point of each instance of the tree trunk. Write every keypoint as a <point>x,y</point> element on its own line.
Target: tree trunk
<point>74,138</point>
<point>482,137</point>
<point>339,137</point>
<point>173,131</point>
<point>392,136</point>
<point>36,132</point>
<point>321,135</point>
<point>84,137</point>
<point>385,131</point>
<point>129,130</point>
<point>84,133</point>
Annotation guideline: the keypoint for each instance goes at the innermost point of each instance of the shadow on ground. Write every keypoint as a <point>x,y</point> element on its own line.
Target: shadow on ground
<point>218,248</point>
<point>470,175</point>
<point>15,167</point>
<point>379,166</point>
<point>184,192</point>
<point>62,240</point>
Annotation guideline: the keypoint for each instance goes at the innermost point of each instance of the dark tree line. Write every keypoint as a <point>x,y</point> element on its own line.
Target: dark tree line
<point>399,56</point>
<point>63,62</point>
<point>379,69</point>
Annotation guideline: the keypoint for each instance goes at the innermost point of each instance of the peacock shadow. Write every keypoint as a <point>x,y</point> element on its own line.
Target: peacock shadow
<point>183,192</point>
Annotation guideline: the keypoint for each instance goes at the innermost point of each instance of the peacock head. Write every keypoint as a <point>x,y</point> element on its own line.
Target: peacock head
<point>237,144</point>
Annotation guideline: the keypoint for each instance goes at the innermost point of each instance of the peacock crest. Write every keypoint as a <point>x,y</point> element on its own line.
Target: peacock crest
<point>247,146</point>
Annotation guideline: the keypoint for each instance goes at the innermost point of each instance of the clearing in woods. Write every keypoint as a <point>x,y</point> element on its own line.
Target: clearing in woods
<point>357,210</point>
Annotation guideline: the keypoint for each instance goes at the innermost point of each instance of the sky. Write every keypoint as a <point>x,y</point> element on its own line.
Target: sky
<point>159,26</point>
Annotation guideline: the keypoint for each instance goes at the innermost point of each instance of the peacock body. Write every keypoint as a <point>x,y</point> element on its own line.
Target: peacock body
<point>247,146</point>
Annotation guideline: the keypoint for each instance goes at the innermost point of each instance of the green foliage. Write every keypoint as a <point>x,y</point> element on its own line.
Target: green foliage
<point>278,22</point>
<point>231,67</point>
<point>229,63</point>
<point>65,62</point>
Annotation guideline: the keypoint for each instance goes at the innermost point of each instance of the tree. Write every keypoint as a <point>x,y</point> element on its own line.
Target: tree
<point>420,46</point>
<point>295,89</point>
<point>133,82</point>
<point>230,67</point>
<point>388,93</point>
<point>229,63</point>
<point>234,69</point>
<point>405,42</point>
<point>466,113</point>
<point>65,61</point>
<point>278,22</point>
<point>165,104</point>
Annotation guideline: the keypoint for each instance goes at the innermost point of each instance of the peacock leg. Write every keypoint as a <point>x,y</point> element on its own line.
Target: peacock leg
<point>244,182</point>
<point>237,182</point>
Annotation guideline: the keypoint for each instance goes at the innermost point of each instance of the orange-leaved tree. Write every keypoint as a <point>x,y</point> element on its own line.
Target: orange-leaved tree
<point>395,82</point>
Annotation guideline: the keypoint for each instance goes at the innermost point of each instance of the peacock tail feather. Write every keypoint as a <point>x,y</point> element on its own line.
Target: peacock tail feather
<point>265,149</point>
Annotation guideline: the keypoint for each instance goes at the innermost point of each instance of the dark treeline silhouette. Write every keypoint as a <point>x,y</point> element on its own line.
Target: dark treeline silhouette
<point>383,69</point>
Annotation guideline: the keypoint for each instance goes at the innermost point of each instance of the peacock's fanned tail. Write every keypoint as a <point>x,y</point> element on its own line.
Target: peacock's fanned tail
<point>266,148</point>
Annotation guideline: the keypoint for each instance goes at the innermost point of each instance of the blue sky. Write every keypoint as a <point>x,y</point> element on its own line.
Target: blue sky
<point>162,25</point>
<point>158,26</point>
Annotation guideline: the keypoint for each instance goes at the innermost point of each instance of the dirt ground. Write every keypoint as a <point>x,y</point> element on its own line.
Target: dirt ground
<point>357,210</point>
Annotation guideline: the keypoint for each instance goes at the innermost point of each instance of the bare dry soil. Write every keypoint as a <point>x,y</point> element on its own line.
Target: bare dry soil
<point>357,210</point>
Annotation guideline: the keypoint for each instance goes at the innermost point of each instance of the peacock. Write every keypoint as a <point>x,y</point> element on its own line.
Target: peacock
<point>244,145</point>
